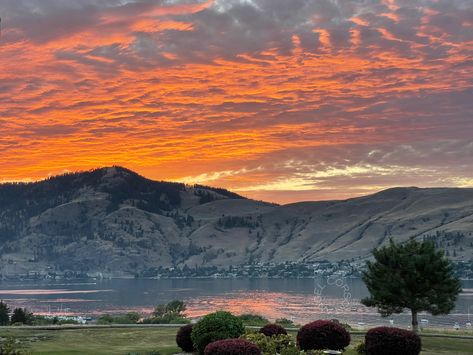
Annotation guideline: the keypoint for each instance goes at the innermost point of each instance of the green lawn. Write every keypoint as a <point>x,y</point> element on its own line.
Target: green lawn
<point>96,341</point>
<point>141,340</point>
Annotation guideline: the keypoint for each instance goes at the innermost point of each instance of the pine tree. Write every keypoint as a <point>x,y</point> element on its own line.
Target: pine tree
<point>412,276</point>
<point>4,314</point>
<point>21,315</point>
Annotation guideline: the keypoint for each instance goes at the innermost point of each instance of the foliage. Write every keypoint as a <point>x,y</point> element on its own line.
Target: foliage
<point>216,326</point>
<point>229,222</point>
<point>218,190</point>
<point>44,320</point>
<point>183,338</point>
<point>7,347</point>
<point>360,348</point>
<point>175,308</point>
<point>271,345</point>
<point>287,323</point>
<point>232,347</point>
<point>253,319</point>
<point>392,341</point>
<point>290,351</point>
<point>4,314</point>
<point>266,344</point>
<point>22,315</point>
<point>412,275</point>
<point>168,319</point>
<point>272,329</point>
<point>170,313</point>
<point>323,334</point>
<point>129,318</point>
<point>344,325</point>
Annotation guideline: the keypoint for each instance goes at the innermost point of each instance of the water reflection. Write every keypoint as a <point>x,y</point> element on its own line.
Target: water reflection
<point>300,300</point>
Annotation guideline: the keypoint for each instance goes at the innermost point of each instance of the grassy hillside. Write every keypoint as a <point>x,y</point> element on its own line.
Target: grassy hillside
<point>115,222</point>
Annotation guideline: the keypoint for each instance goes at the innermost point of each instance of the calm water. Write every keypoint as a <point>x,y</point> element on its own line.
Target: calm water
<point>301,300</point>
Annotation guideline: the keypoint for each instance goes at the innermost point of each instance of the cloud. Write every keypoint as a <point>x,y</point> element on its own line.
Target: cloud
<point>337,96</point>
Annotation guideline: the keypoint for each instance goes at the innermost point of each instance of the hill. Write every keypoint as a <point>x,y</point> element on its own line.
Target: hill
<point>116,222</point>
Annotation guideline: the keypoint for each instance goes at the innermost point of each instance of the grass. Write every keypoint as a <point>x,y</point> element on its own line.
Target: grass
<point>122,341</point>
<point>96,341</point>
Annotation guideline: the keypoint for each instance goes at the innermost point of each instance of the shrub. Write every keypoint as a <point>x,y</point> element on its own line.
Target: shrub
<point>184,340</point>
<point>232,347</point>
<point>266,345</point>
<point>344,325</point>
<point>272,329</point>
<point>323,334</point>
<point>271,345</point>
<point>392,341</point>
<point>168,319</point>
<point>360,348</point>
<point>290,351</point>
<point>129,318</point>
<point>175,308</point>
<point>253,319</point>
<point>285,323</point>
<point>170,313</point>
<point>45,320</point>
<point>7,347</point>
<point>216,326</point>
<point>105,319</point>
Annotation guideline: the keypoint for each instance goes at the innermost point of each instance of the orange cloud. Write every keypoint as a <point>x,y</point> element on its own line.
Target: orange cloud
<point>235,92</point>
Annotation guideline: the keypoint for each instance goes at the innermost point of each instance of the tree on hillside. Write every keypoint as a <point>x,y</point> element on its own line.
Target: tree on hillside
<point>413,276</point>
<point>4,314</point>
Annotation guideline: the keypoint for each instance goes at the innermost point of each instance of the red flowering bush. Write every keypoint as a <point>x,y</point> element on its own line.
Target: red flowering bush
<point>323,334</point>
<point>272,329</point>
<point>232,347</point>
<point>392,341</point>
<point>183,338</point>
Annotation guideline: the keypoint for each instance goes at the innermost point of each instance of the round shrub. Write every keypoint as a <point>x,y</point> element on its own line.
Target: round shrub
<point>272,329</point>
<point>216,326</point>
<point>232,347</point>
<point>392,341</point>
<point>323,334</point>
<point>183,338</point>
<point>270,345</point>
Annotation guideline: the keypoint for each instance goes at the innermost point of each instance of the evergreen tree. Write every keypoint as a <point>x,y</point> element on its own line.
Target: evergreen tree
<point>4,314</point>
<point>21,315</point>
<point>411,276</point>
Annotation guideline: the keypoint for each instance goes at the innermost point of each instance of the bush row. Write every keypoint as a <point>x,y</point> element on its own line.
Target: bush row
<point>224,334</point>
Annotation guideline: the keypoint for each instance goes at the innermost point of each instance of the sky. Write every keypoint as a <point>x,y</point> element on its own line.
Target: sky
<point>278,100</point>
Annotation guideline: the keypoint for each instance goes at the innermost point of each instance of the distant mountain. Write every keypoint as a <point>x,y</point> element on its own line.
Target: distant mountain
<point>116,222</point>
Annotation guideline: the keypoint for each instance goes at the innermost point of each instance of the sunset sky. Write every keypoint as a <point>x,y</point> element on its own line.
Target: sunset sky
<point>280,100</point>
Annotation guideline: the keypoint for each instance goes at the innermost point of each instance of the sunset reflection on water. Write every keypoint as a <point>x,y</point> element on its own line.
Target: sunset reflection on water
<point>300,300</point>
<point>274,305</point>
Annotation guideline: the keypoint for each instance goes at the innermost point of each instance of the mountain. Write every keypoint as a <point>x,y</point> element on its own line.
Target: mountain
<point>114,221</point>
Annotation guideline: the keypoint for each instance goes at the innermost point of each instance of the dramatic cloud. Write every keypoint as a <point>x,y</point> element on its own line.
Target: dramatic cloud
<point>280,100</point>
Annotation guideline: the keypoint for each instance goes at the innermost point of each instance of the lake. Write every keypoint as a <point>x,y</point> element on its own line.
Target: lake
<point>300,300</point>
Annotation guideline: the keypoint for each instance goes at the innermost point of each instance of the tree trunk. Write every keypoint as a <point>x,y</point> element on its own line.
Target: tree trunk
<point>415,324</point>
